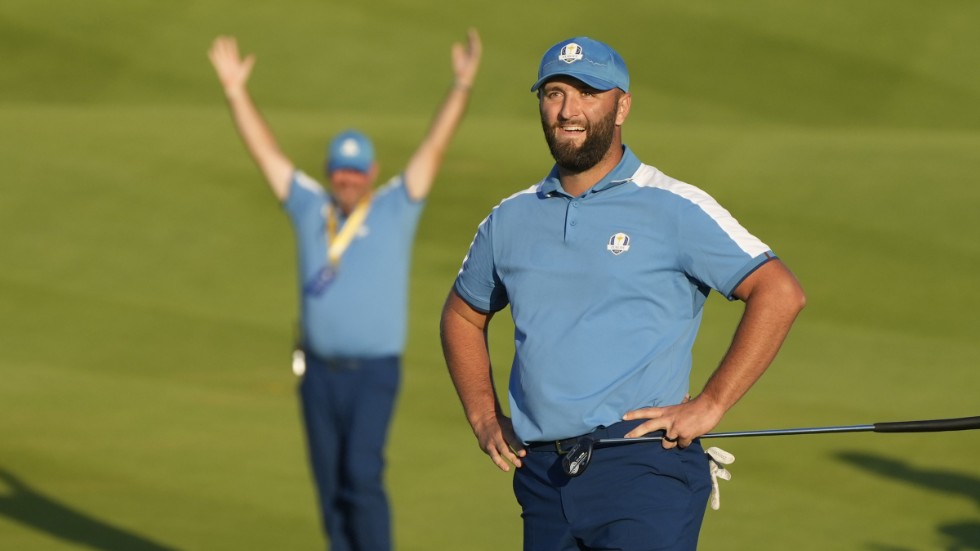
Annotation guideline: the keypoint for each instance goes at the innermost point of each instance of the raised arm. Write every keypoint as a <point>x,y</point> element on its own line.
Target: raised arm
<point>464,344</point>
<point>425,162</point>
<point>773,298</point>
<point>233,72</point>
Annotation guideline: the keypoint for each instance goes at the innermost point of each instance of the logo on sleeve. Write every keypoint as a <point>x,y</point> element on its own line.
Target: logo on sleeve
<point>618,244</point>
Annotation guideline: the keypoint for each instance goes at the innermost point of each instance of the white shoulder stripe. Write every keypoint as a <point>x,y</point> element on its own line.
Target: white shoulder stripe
<point>393,183</point>
<point>308,183</point>
<point>648,176</point>
<point>532,189</point>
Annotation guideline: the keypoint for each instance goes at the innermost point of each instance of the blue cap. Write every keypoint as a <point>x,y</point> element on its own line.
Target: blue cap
<point>350,150</point>
<point>590,61</point>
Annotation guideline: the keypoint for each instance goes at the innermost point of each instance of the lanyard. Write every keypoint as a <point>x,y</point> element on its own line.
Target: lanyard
<point>338,243</point>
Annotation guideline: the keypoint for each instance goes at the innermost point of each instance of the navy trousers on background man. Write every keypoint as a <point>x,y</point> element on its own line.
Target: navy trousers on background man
<point>347,408</point>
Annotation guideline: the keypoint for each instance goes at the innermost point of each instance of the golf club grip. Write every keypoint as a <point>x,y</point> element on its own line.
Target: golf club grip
<point>934,425</point>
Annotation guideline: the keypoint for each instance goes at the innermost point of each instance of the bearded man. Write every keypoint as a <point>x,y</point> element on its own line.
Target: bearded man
<point>606,265</point>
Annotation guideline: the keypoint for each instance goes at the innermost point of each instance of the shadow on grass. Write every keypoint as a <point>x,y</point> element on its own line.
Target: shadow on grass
<point>21,503</point>
<point>963,535</point>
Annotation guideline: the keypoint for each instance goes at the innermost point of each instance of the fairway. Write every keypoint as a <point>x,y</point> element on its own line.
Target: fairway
<point>147,275</point>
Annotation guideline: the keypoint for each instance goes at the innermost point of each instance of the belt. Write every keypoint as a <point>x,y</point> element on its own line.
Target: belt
<point>340,363</point>
<point>347,364</point>
<point>563,446</point>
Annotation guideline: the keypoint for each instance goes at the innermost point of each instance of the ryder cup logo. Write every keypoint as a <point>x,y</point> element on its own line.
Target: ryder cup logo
<point>350,148</point>
<point>570,53</point>
<point>618,244</point>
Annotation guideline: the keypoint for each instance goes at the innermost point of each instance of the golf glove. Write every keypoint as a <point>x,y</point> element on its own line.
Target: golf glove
<point>717,459</point>
<point>299,362</point>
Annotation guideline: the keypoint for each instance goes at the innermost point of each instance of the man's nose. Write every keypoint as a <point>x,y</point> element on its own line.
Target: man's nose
<point>570,107</point>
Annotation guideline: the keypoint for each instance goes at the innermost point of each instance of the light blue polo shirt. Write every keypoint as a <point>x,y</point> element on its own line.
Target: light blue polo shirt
<point>606,291</point>
<point>362,312</point>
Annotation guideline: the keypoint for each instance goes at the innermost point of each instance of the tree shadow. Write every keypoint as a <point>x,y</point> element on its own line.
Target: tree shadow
<point>962,535</point>
<point>27,506</point>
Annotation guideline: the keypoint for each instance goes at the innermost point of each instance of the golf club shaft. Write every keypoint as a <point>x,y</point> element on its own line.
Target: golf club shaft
<point>933,425</point>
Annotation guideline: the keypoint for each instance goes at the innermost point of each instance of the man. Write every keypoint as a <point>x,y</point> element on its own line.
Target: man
<point>606,264</point>
<point>354,248</point>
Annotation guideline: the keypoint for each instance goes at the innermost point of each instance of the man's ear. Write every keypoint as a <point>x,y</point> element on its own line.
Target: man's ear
<point>623,108</point>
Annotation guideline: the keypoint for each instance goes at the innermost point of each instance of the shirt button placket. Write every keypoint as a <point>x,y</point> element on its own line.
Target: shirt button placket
<point>571,207</point>
<point>573,214</point>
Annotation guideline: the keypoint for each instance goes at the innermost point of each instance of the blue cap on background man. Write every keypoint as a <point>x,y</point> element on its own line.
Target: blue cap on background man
<point>350,150</point>
<point>590,61</point>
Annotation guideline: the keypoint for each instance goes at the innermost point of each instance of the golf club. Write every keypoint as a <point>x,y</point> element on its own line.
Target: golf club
<point>578,458</point>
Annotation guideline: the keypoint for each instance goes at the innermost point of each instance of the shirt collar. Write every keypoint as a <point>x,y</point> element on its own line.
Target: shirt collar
<point>622,173</point>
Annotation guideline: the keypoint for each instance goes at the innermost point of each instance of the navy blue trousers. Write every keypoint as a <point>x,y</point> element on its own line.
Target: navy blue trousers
<point>347,409</point>
<point>632,497</point>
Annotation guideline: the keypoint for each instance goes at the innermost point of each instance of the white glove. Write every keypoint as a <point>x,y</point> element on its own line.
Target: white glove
<point>299,362</point>
<point>717,459</point>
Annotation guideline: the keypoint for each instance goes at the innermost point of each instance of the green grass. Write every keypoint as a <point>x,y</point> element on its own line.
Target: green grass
<point>147,276</point>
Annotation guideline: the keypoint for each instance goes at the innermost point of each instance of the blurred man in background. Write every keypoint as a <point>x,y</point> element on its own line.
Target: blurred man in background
<point>606,264</point>
<point>354,248</point>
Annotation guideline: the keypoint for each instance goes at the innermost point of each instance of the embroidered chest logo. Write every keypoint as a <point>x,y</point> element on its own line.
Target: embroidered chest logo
<point>618,244</point>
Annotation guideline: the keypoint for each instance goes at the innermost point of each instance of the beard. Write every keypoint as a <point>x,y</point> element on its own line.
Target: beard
<point>576,159</point>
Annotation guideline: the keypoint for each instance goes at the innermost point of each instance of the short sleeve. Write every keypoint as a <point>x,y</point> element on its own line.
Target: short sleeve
<point>477,282</point>
<point>305,195</point>
<point>715,249</point>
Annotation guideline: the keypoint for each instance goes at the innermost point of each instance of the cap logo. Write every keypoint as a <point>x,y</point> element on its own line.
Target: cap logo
<point>570,53</point>
<point>618,244</point>
<point>350,148</point>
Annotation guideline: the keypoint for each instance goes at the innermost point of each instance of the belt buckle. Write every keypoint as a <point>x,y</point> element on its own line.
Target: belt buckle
<point>559,449</point>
